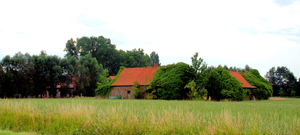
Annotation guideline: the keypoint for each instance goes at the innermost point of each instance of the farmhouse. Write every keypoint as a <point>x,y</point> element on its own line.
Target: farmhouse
<point>123,86</point>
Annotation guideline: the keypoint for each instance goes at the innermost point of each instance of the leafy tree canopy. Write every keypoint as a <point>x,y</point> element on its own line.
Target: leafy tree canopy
<point>199,67</point>
<point>169,81</point>
<point>283,81</point>
<point>222,85</point>
<point>106,53</point>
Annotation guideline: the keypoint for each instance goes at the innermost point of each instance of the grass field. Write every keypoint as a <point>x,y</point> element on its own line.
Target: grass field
<point>94,116</point>
<point>5,132</point>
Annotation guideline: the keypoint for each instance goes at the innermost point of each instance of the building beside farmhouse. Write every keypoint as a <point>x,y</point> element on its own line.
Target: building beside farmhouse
<point>63,88</point>
<point>123,86</point>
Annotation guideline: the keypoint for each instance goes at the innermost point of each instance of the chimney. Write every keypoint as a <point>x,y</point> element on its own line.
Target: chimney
<point>155,65</point>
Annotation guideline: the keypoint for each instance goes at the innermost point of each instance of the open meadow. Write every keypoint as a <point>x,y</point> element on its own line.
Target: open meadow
<point>104,116</point>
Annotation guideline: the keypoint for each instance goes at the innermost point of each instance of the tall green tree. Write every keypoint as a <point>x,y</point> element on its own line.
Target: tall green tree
<point>9,78</point>
<point>23,65</point>
<point>137,58</point>
<point>90,74</point>
<point>247,68</point>
<point>18,75</point>
<point>106,53</point>
<point>155,58</point>
<point>199,67</point>
<point>71,48</point>
<point>291,84</point>
<point>53,71</point>
<point>39,74</point>
<point>279,79</point>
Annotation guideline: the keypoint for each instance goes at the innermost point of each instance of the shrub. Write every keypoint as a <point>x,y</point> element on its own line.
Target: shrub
<point>137,93</point>
<point>221,85</point>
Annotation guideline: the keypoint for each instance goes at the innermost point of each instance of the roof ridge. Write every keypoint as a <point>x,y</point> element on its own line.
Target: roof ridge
<point>139,67</point>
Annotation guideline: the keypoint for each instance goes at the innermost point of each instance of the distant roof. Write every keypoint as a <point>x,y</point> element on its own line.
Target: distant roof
<point>111,77</point>
<point>238,76</point>
<point>71,86</point>
<point>143,75</point>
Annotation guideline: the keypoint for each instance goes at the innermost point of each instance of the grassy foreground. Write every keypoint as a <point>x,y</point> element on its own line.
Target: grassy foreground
<point>92,116</point>
<point>5,132</point>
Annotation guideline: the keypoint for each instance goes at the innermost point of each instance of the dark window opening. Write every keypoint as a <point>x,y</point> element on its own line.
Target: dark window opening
<point>128,92</point>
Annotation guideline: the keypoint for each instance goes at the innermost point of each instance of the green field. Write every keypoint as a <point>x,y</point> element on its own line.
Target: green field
<point>96,116</point>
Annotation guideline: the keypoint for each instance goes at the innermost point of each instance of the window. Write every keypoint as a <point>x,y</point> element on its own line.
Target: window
<point>118,93</point>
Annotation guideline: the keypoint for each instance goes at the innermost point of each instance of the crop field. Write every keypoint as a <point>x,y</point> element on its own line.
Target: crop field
<point>104,116</point>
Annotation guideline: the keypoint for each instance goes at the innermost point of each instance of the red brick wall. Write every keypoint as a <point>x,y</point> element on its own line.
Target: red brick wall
<point>123,91</point>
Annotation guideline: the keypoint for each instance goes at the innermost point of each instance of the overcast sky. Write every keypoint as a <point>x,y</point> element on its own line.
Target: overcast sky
<point>262,33</point>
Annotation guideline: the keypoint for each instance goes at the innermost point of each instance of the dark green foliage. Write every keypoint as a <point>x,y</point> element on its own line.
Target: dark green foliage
<point>155,58</point>
<point>279,76</point>
<point>136,58</point>
<point>18,77</point>
<point>221,85</point>
<point>193,94</point>
<point>200,68</point>
<point>264,89</point>
<point>235,69</point>
<point>292,84</point>
<point>91,74</point>
<point>71,48</point>
<point>52,70</point>
<point>283,81</point>
<point>104,87</point>
<point>106,53</point>
<point>39,74</point>
<point>137,93</point>
<point>2,74</point>
<point>172,80</point>
<point>25,75</point>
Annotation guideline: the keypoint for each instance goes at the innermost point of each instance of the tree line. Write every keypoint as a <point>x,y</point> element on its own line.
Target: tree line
<point>87,59</point>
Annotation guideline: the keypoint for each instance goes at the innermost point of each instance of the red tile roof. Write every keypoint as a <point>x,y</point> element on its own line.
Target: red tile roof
<point>238,76</point>
<point>129,75</point>
<point>111,77</point>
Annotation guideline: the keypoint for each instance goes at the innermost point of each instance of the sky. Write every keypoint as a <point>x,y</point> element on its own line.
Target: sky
<point>260,33</point>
